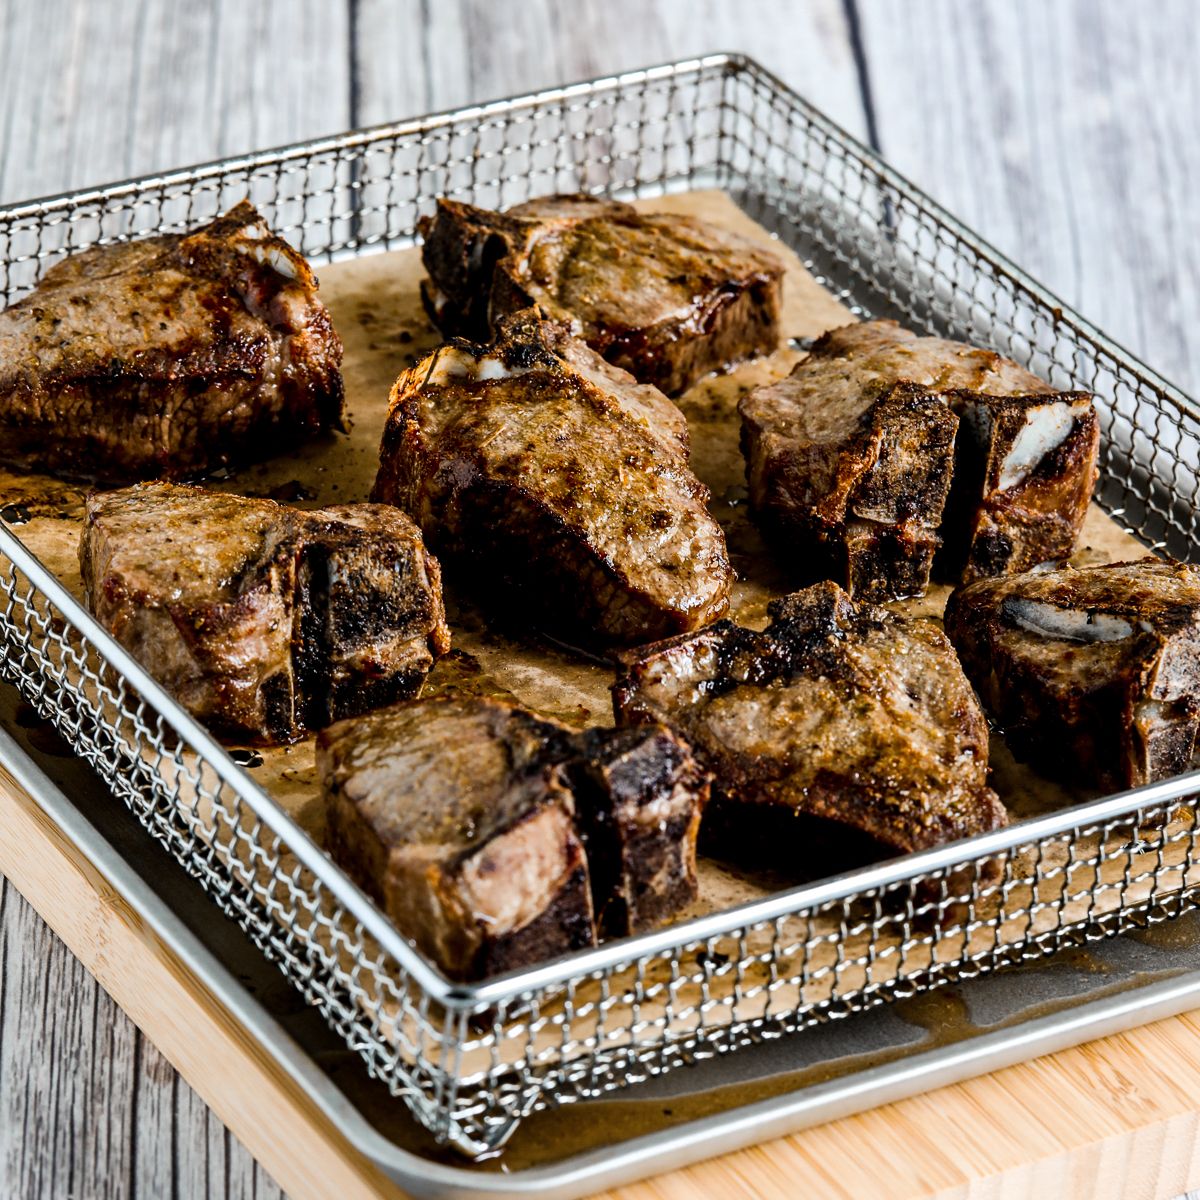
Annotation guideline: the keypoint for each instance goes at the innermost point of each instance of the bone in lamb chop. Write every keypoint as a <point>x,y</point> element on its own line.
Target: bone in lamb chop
<point>850,460</point>
<point>1092,672</point>
<point>555,479</point>
<point>841,733</point>
<point>495,838</point>
<point>667,297</point>
<point>263,620</point>
<point>170,355</point>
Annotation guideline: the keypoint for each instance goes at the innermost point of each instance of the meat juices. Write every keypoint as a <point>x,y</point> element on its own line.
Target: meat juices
<point>264,621</point>
<point>492,836</point>
<point>1093,672</point>
<point>558,483</point>
<point>169,355</point>
<point>850,460</point>
<point>841,733</point>
<point>668,298</point>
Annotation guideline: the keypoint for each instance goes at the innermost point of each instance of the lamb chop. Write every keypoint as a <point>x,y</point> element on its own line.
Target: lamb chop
<point>1093,672</point>
<point>668,298</point>
<point>262,620</point>
<point>450,813</point>
<point>553,478</point>
<point>850,459</point>
<point>841,733</point>
<point>462,818</point>
<point>169,356</point>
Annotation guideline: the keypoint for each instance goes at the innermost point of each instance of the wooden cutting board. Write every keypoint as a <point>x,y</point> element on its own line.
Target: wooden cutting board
<point>1118,1118</point>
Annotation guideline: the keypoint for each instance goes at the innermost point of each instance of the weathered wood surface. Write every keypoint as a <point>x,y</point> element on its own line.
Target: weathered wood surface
<point>1065,133</point>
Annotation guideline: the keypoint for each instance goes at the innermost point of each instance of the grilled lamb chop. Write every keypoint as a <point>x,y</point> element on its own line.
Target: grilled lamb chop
<point>839,734</point>
<point>1093,672</point>
<point>168,356</point>
<point>263,620</point>
<point>851,457</point>
<point>452,815</point>
<point>554,477</point>
<point>668,298</point>
<point>459,815</point>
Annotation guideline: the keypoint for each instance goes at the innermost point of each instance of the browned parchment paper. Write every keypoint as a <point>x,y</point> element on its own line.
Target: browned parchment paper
<point>376,308</point>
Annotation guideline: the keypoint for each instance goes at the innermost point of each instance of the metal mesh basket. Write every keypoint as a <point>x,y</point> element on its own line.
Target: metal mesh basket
<point>471,1061</point>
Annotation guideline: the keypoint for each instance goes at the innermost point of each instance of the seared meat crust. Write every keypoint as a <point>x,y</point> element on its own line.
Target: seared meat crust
<point>861,478</point>
<point>169,355</point>
<point>262,620</point>
<point>1093,672</point>
<point>552,477</point>
<point>639,795</point>
<point>488,833</point>
<point>851,458</point>
<point>668,298</point>
<point>839,729</point>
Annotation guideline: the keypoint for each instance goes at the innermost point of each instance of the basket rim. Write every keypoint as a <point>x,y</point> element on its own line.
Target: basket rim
<point>458,997</point>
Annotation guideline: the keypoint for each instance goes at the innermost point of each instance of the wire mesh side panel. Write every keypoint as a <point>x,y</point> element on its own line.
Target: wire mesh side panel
<point>764,980</point>
<point>659,132</point>
<point>469,1075</point>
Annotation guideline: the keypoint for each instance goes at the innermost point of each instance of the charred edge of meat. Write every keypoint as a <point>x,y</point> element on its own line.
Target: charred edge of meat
<point>322,629</point>
<point>460,252</point>
<point>768,836</point>
<point>876,532</point>
<point>639,798</point>
<point>565,925</point>
<point>880,562</point>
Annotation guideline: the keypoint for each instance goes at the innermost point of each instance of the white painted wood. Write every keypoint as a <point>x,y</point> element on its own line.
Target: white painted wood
<point>88,1107</point>
<point>1065,132</point>
<point>96,91</point>
<point>421,55</point>
<point>91,92</point>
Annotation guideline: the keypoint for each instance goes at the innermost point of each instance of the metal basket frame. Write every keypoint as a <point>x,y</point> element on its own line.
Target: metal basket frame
<point>472,1060</point>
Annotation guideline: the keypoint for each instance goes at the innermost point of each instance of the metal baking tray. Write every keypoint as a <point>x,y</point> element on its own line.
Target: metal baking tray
<point>472,1062</point>
<point>731,1100</point>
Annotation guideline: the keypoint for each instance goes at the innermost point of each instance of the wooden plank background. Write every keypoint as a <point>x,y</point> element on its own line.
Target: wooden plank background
<point>1065,133</point>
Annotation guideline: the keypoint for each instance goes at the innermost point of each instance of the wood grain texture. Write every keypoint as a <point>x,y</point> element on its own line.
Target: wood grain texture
<point>1114,1120</point>
<point>422,55</point>
<point>1064,132</point>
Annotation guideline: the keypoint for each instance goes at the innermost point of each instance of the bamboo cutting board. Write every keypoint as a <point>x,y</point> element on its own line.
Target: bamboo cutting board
<point>1118,1119</point>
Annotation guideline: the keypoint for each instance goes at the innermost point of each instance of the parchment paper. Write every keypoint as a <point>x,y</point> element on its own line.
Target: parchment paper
<point>376,308</point>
